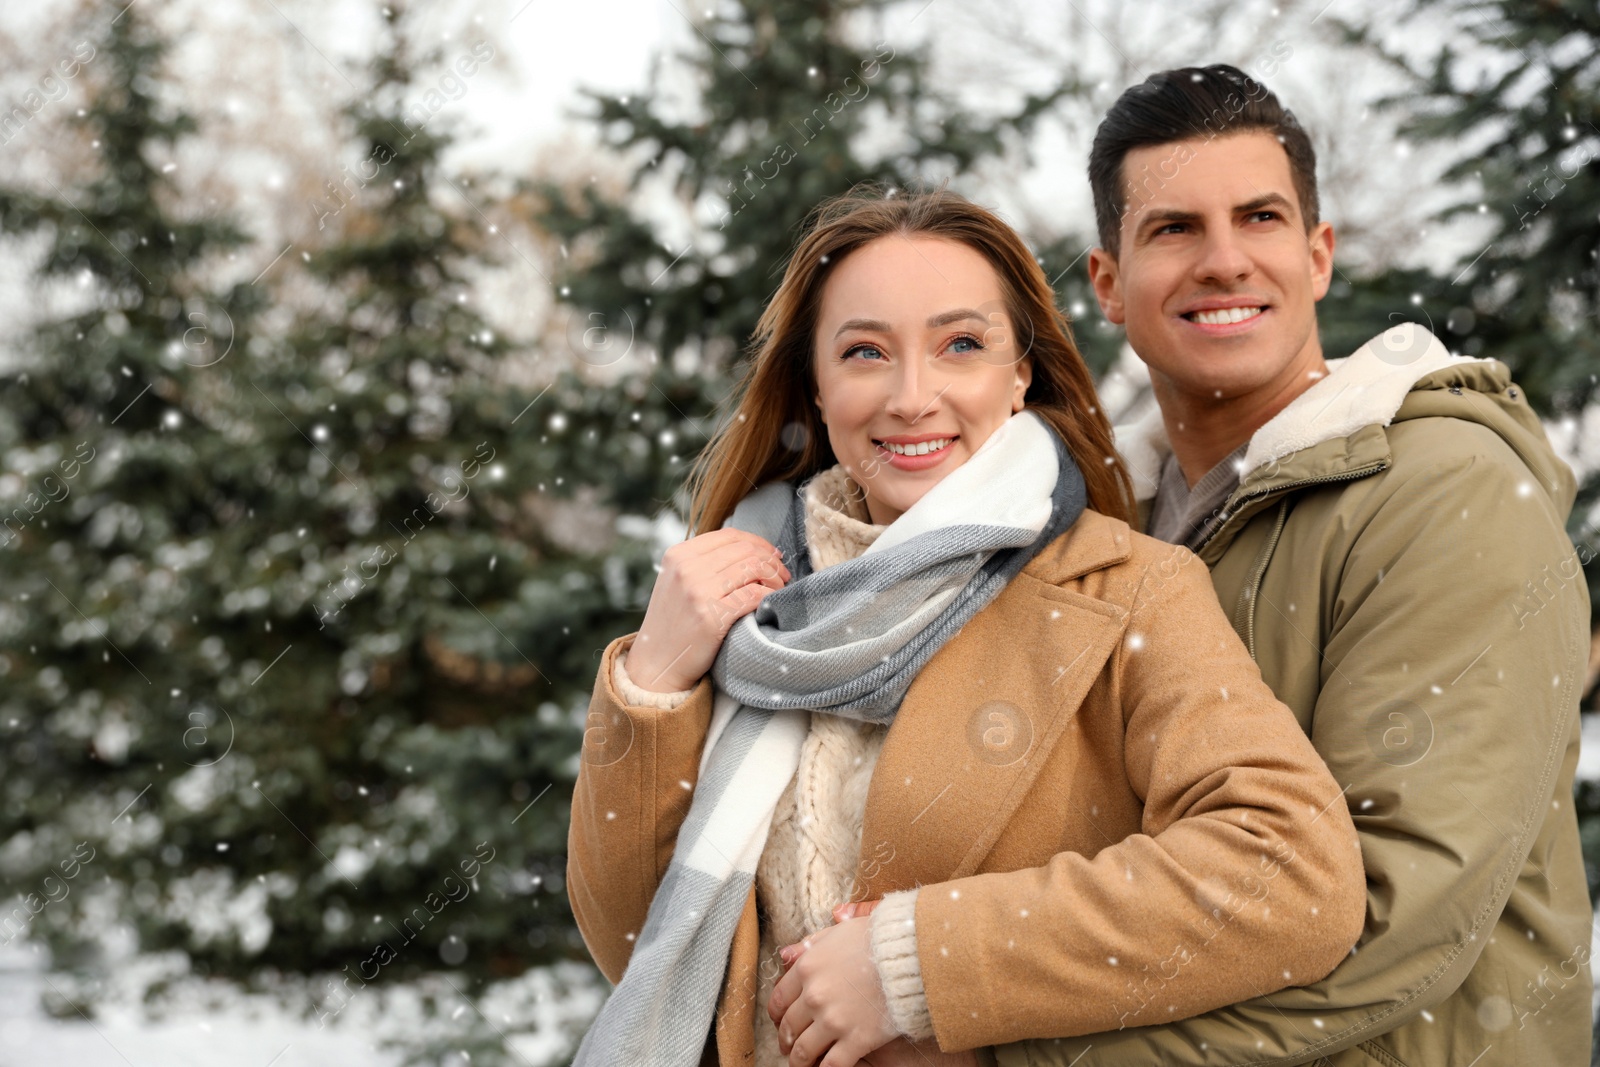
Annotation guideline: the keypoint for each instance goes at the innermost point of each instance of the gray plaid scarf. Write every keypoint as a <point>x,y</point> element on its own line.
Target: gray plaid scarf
<point>848,640</point>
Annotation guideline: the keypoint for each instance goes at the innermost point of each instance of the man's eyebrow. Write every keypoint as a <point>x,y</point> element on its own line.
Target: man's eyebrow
<point>1266,201</point>
<point>944,318</point>
<point>1164,217</point>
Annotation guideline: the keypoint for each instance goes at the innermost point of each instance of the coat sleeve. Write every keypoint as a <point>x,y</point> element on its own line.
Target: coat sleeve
<point>1449,683</point>
<point>1246,876</point>
<point>635,780</point>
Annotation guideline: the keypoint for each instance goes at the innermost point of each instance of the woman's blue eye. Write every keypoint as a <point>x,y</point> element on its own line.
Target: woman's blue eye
<point>972,343</point>
<point>855,349</point>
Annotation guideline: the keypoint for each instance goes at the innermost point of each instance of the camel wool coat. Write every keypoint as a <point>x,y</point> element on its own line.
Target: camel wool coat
<point>1112,820</point>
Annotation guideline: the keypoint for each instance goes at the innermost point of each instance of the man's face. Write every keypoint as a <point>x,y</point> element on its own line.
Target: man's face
<point>1217,279</point>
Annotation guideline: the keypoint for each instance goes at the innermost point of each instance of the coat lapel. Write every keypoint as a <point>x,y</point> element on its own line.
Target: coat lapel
<point>985,714</point>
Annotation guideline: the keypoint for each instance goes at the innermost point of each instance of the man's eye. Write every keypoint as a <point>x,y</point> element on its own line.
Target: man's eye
<point>1171,227</point>
<point>1264,215</point>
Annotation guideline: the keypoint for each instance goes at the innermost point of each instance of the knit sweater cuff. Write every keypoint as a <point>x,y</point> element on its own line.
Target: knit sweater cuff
<point>631,692</point>
<point>894,951</point>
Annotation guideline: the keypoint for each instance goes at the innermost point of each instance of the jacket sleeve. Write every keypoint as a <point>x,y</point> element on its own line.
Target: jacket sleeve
<point>1246,876</point>
<point>1448,684</point>
<point>635,780</point>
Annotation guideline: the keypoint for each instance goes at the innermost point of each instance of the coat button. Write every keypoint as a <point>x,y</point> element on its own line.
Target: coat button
<point>1455,389</point>
<point>1512,392</point>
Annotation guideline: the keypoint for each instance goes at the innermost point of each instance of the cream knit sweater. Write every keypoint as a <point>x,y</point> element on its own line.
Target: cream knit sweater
<point>808,865</point>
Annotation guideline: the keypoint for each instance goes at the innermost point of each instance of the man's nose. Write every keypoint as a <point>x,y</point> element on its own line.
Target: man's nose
<point>1223,259</point>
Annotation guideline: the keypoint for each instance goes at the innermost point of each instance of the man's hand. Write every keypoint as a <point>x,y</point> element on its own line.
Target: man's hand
<point>829,1007</point>
<point>902,1052</point>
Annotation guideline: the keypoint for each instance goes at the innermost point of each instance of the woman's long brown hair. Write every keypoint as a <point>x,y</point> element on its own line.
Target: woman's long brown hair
<point>773,430</point>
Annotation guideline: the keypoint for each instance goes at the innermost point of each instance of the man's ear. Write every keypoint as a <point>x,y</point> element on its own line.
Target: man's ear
<point>1321,241</point>
<point>1107,284</point>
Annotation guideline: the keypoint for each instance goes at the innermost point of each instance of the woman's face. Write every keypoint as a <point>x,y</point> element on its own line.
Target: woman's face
<point>916,365</point>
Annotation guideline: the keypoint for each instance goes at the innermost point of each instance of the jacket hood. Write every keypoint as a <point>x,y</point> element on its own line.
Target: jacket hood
<point>1404,372</point>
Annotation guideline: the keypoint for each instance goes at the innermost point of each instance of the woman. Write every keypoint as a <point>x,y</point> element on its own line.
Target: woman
<point>1090,811</point>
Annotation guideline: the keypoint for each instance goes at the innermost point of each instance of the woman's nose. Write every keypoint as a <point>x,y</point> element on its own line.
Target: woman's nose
<point>916,391</point>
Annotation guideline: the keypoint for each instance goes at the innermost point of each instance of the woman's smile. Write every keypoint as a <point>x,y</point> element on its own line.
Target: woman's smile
<point>914,365</point>
<point>914,453</point>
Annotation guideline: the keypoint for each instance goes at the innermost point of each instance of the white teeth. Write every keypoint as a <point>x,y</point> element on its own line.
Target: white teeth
<point>922,448</point>
<point>1225,316</point>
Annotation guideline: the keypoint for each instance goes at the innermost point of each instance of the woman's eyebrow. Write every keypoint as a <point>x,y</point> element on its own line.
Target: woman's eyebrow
<point>944,318</point>
<point>870,325</point>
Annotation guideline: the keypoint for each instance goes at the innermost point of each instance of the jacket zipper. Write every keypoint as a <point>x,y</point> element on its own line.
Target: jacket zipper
<point>1253,588</point>
<point>1343,476</point>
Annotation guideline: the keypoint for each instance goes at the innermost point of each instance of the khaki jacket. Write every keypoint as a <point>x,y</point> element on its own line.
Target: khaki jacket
<point>1112,820</point>
<point>1402,575</point>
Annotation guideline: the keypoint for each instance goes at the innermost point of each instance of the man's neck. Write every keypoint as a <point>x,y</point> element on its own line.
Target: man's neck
<point>1203,429</point>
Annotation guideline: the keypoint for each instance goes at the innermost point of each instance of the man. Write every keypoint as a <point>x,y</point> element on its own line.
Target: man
<point>1386,533</point>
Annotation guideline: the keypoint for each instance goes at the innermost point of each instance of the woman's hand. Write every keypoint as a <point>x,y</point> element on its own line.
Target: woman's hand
<point>706,584</point>
<point>902,1051</point>
<point>829,1006</point>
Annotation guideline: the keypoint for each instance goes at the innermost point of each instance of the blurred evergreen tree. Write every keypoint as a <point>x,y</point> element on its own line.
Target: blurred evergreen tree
<point>796,102</point>
<point>1523,82</point>
<point>294,631</point>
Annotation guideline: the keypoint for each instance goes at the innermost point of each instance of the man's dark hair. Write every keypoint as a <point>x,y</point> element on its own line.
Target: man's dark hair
<point>1179,105</point>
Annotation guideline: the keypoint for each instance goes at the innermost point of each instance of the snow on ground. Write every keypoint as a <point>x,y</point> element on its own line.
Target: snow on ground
<point>204,1029</point>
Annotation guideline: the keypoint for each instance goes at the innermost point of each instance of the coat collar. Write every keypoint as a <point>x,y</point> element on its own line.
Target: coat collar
<point>1365,389</point>
<point>1091,543</point>
<point>986,712</point>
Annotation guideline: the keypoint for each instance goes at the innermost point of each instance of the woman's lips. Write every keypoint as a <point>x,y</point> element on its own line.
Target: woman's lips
<point>913,463</point>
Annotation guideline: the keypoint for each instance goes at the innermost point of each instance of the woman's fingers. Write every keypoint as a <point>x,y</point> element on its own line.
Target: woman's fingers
<point>809,1046</point>
<point>716,574</point>
<point>721,540</point>
<point>687,552</point>
<point>737,604</point>
<point>854,909</point>
<point>792,1025</point>
<point>706,585</point>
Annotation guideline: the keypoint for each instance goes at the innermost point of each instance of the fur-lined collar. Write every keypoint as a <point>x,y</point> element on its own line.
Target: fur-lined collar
<point>1363,389</point>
